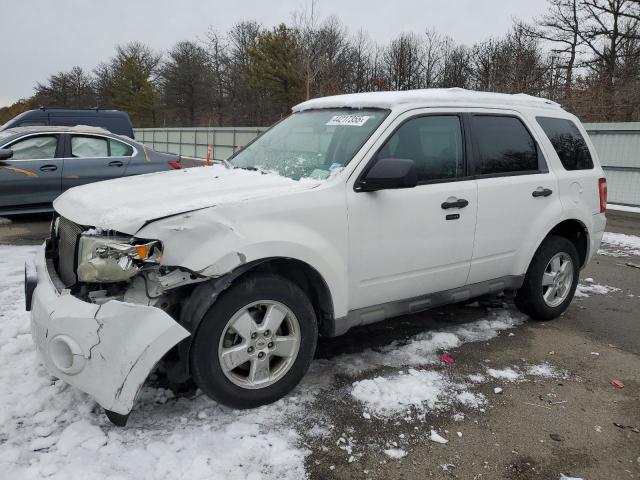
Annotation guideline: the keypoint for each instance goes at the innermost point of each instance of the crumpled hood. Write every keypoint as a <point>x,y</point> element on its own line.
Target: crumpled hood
<point>126,204</point>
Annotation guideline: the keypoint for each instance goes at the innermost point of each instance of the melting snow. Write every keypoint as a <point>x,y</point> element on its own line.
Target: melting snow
<point>422,389</point>
<point>435,437</point>
<point>619,245</point>
<point>508,374</point>
<point>395,453</point>
<point>544,370</point>
<point>584,291</point>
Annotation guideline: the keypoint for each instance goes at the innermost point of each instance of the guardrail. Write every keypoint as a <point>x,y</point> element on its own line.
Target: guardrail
<point>618,146</point>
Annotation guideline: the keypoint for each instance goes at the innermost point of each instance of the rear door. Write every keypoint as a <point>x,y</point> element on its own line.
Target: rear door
<point>31,177</point>
<point>92,158</point>
<point>518,196</point>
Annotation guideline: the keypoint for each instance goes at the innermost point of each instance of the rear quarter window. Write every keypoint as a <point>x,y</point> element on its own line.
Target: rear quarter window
<point>568,143</point>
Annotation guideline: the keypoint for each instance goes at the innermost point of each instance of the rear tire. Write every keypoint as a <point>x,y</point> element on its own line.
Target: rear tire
<point>255,343</point>
<point>551,279</point>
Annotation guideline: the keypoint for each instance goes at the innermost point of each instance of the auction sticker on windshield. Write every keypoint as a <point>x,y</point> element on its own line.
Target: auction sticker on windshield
<point>349,120</point>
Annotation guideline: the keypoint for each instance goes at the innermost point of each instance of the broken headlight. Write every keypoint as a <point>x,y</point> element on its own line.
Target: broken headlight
<point>111,259</point>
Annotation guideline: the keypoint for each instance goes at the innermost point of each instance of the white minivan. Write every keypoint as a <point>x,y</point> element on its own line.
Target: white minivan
<point>353,209</point>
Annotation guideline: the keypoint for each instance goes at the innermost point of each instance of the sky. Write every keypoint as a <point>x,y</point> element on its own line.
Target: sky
<point>41,37</point>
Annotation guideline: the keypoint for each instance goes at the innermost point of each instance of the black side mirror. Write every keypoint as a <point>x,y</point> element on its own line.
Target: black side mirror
<point>6,153</point>
<point>388,173</point>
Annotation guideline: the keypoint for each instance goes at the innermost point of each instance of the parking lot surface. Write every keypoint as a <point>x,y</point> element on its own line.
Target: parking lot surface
<point>514,398</point>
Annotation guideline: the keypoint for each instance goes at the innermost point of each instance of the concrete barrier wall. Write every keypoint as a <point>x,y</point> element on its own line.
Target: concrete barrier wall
<point>618,146</point>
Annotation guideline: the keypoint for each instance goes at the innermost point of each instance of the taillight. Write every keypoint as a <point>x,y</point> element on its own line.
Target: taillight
<point>175,164</point>
<point>602,188</point>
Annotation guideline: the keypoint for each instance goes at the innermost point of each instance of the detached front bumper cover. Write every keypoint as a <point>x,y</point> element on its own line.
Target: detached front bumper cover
<point>104,350</point>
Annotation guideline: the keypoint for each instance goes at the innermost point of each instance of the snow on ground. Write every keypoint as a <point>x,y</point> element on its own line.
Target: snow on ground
<point>622,208</point>
<point>422,389</point>
<point>51,430</point>
<point>585,291</point>
<point>544,370</point>
<point>619,245</point>
<point>508,374</point>
<point>395,453</point>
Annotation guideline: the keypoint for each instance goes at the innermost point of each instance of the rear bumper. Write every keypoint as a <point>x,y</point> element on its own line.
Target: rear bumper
<point>104,350</point>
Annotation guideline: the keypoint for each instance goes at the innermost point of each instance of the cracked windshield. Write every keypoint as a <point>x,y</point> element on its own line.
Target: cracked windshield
<point>311,144</point>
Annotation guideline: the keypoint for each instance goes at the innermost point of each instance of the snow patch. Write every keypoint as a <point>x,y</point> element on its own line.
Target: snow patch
<point>435,437</point>
<point>395,453</point>
<point>619,245</point>
<point>422,389</point>
<point>5,221</point>
<point>508,374</point>
<point>81,433</point>
<point>585,291</point>
<point>423,348</point>
<point>544,370</point>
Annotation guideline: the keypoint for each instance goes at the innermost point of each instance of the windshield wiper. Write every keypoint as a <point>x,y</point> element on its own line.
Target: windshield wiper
<point>225,162</point>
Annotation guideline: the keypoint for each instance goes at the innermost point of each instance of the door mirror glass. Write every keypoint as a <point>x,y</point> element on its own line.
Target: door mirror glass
<point>5,153</point>
<point>390,173</point>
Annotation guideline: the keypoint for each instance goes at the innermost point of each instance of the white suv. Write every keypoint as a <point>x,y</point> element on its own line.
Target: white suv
<point>353,209</point>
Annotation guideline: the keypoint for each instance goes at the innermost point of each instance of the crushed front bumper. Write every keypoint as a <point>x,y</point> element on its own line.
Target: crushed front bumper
<point>104,350</point>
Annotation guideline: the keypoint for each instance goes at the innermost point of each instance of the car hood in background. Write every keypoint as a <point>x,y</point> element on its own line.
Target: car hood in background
<point>127,204</point>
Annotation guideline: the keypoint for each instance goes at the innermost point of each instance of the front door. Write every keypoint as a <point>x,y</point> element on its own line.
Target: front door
<point>405,243</point>
<point>89,159</point>
<point>30,178</point>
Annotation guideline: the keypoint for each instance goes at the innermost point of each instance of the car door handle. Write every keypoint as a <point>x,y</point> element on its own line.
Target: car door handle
<point>48,168</point>
<point>116,163</point>
<point>542,192</point>
<point>457,203</point>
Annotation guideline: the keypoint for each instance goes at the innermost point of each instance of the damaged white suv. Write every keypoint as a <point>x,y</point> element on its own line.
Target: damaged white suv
<point>354,209</point>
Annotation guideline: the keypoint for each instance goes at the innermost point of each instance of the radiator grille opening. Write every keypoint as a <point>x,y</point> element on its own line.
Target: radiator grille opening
<point>68,235</point>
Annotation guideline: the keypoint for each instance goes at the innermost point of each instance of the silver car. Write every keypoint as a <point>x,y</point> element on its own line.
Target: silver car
<point>39,163</point>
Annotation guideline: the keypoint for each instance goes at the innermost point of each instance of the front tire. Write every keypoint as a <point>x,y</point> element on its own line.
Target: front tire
<point>255,343</point>
<point>551,279</point>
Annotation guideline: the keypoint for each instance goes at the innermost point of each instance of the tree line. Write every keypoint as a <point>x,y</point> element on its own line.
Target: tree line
<point>584,54</point>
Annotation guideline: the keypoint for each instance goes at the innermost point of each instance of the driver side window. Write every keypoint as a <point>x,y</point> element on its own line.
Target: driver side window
<point>35,148</point>
<point>433,142</point>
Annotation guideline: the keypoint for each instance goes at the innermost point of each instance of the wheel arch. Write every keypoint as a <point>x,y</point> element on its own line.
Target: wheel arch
<point>573,230</point>
<point>205,294</point>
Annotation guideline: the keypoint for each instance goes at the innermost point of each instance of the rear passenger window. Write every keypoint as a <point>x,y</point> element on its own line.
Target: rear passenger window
<point>119,149</point>
<point>503,145</point>
<point>433,142</point>
<point>88,147</point>
<point>567,142</point>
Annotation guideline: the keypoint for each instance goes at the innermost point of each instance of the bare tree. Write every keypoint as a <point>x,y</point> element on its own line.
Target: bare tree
<point>403,61</point>
<point>72,89</point>
<point>610,27</point>
<point>560,27</point>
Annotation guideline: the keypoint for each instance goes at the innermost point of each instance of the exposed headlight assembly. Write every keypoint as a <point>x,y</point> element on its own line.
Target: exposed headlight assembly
<point>112,259</point>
